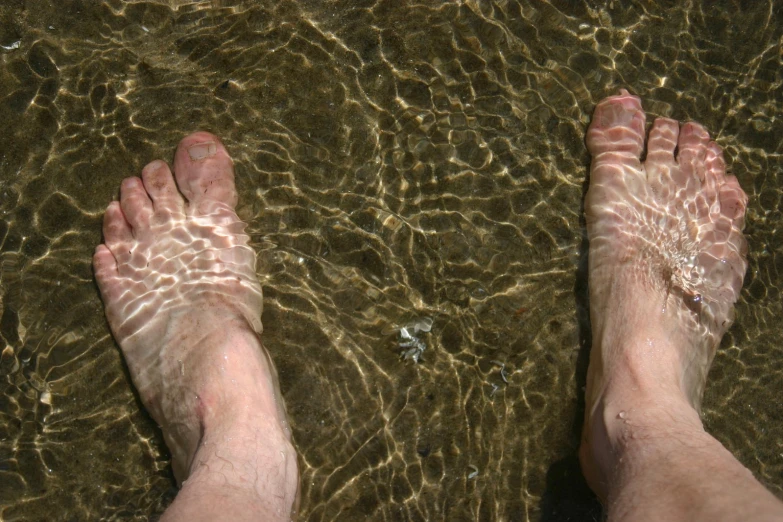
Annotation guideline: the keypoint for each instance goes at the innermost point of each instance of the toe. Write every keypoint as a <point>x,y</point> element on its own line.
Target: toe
<point>136,204</point>
<point>659,163</point>
<point>693,144</point>
<point>105,266</point>
<point>734,250</point>
<point>159,184</point>
<point>617,126</point>
<point>714,175</point>
<point>116,229</point>
<point>616,140</point>
<point>733,201</point>
<point>714,163</point>
<point>205,171</point>
<point>662,141</point>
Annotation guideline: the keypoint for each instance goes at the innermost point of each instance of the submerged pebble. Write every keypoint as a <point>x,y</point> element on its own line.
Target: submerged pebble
<point>12,46</point>
<point>409,338</point>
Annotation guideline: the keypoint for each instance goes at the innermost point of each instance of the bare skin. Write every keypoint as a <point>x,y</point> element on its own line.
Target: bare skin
<point>183,301</point>
<point>667,259</point>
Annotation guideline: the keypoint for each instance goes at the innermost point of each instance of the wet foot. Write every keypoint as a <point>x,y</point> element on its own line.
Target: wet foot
<point>178,281</point>
<point>667,260</point>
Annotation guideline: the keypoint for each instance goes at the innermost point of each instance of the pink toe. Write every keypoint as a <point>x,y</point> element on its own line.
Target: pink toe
<point>204,170</point>
<point>136,204</point>
<point>693,142</point>
<point>662,140</point>
<point>161,187</point>
<point>104,261</point>
<point>714,162</point>
<point>616,140</point>
<point>733,201</point>
<point>105,266</point>
<point>116,228</point>
<point>617,126</point>
<point>714,175</point>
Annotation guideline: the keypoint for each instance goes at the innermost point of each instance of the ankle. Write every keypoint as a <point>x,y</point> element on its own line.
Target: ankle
<point>231,393</point>
<point>244,388</point>
<point>624,429</point>
<point>644,418</point>
<point>249,444</point>
<point>631,412</point>
<point>249,464</point>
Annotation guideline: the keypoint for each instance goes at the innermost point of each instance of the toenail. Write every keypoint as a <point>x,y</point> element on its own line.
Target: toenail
<point>202,150</point>
<point>155,165</point>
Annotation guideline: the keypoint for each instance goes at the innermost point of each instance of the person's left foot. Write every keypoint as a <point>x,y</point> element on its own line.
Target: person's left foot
<point>183,301</point>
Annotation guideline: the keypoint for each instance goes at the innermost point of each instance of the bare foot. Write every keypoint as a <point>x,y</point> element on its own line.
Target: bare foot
<point>183,301</point>
<point>667,260</point>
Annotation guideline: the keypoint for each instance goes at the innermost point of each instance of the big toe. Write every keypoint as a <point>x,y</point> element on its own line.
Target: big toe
<point>616,141</point>
<point>107,273</point>
<point>205,171</point>
<point>617,126</point>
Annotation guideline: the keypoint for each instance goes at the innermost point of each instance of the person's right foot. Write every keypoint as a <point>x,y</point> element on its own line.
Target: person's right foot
<point>666,264</point>
<point>183,301</point>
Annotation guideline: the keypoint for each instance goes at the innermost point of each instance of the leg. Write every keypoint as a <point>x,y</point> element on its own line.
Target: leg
<point>667,259</point>
<point>182,299</point>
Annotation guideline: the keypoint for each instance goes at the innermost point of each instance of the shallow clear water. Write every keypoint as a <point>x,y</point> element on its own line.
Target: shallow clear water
<point>395,160</point>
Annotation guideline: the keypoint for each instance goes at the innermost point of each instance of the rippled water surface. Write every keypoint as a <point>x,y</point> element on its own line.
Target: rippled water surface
<point>396,161</point>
